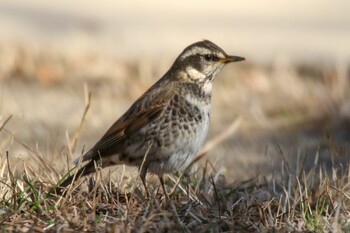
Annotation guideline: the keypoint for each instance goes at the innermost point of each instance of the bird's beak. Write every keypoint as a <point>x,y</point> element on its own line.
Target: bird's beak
<point>229,59</point>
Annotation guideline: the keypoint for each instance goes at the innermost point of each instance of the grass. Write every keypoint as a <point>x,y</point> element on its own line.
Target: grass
<point>291,190</point>
<point>292,199</point>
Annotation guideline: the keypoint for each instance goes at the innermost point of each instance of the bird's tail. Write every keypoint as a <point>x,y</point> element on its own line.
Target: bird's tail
<point>87,169</point>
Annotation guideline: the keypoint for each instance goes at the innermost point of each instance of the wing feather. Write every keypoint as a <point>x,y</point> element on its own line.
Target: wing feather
<point>146,109</point>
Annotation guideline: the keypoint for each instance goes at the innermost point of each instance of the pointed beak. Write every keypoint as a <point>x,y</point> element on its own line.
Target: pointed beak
<point>229,59</point>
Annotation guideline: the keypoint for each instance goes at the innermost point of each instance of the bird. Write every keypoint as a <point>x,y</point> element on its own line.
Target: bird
<point>164,128</point>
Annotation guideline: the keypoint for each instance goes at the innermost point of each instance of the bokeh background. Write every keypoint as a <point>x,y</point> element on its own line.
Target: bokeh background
<point>291,95</point>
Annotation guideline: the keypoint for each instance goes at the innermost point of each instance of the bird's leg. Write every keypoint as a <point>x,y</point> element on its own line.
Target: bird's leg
<point>143,172</point>
<point>163,187</point>
<point>144,166</point>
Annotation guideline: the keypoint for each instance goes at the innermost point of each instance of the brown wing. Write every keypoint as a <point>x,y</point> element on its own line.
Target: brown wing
<point>147,108</point>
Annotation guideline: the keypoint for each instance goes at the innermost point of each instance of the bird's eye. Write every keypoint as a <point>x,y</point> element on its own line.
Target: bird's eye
<point>209,57</point>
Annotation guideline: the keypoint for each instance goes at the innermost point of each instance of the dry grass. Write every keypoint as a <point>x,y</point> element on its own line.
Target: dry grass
<point>287,189</point>
<point>290,200</point>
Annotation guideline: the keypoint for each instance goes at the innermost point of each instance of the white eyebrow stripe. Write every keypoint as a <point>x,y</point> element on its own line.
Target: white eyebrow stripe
<point>194,51</point>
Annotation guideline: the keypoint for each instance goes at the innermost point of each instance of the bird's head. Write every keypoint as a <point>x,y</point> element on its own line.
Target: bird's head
<point>202,61</point>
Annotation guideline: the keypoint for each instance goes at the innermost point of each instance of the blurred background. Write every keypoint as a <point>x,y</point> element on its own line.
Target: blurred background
<point>291,94</point>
